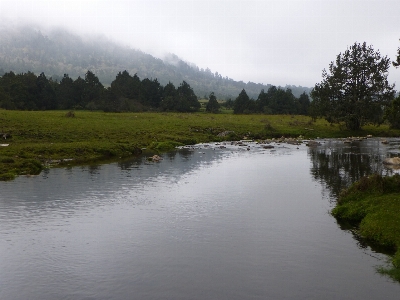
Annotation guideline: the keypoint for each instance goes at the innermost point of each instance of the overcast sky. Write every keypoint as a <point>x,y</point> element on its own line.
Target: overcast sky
<point>266,41</point>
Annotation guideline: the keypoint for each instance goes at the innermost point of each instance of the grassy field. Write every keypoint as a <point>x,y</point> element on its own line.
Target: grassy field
<point>42,138</point>
<point>373,205</point>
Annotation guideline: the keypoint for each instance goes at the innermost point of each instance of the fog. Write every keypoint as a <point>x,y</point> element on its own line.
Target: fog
<point>267,41</point>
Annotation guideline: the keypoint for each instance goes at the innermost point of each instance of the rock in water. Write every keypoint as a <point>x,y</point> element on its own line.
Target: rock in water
<point>392,161</point>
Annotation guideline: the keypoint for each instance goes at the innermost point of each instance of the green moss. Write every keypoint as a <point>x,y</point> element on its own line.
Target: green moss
<point>373,205</point>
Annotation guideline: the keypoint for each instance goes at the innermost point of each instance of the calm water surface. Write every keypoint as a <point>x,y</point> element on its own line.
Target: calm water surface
<point>205,223</point>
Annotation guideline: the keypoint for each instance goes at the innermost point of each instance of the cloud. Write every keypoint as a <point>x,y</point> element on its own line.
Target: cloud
<point>267,41</point>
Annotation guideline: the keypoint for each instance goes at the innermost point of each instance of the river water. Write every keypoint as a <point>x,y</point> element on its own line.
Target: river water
<point>203,223</point>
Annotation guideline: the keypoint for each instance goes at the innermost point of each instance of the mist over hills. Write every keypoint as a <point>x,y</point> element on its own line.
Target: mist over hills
<point>58,52</point>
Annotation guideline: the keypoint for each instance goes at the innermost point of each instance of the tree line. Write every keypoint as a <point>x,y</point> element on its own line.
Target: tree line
<point>55,52</point>
<point>26,91</point>
<point>354,92</point>
<point>275,101</point>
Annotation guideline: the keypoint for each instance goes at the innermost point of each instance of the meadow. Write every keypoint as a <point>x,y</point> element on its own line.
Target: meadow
<point>40,139</point>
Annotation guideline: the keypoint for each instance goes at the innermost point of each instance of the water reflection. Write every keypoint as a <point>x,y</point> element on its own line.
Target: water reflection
<point>93,169</point>
<point>63,192</point>
<point>204,223</point>
<point>337,164</point>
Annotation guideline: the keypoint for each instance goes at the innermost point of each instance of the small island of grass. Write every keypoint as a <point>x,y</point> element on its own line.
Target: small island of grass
<point>372,205</point>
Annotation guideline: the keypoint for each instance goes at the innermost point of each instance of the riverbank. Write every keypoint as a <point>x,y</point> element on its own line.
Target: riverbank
<point>34,140</point>
<point>372,205</point>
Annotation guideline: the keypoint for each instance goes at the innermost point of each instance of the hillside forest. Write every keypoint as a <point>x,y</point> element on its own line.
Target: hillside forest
<point>57,52</point>
<point>127,93</point>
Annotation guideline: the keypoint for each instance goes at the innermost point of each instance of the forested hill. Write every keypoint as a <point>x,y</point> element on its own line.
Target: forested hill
<point>59,52</point>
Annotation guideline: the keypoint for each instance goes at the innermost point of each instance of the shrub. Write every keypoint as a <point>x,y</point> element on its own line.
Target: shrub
<point>70,114</point>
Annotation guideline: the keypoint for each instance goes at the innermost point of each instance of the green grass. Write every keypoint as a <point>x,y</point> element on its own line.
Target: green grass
<point>373,205</point>
<point>45,136</point>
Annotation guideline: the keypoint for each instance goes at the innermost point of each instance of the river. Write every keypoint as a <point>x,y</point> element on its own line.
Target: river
<point>208,222</point>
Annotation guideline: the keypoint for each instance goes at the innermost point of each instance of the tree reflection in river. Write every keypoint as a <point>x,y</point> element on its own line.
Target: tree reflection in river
<point>337,164</point>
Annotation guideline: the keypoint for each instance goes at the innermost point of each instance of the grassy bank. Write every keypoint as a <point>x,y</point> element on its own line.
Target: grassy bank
<point>36,139</point>
<point>373,206</point>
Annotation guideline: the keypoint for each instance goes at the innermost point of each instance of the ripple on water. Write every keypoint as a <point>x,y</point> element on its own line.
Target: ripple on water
<point>202,223</point>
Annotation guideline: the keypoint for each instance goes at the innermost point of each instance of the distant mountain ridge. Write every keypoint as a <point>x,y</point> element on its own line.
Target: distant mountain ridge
<point>60,52</point>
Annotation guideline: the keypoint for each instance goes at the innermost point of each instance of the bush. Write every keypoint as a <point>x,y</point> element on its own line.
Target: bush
<point>70,114</point>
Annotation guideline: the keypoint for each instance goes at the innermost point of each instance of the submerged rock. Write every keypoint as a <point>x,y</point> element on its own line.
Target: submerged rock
<point>392,161</point>
<point>313,144</point>
<point>268,147</point>
<point>155,158</point>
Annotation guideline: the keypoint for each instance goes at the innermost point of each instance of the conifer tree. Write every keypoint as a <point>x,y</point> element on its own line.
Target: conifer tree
<point>355,90</point>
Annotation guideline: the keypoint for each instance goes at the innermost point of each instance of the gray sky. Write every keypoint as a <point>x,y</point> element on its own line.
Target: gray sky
<point>266,41</point>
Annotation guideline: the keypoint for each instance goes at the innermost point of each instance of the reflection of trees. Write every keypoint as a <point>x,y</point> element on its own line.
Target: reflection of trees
<point>130,163</point>
<point>94,169</point>
<point>171,155</point>
<point>45,173</point>
<point>137,161</point>
<point>185,153</point>
<point>338,165</point>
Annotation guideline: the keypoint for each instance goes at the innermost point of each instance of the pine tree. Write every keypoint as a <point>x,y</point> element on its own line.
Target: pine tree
<point>356,90</point>
<point>212,105</point>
